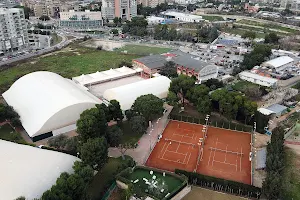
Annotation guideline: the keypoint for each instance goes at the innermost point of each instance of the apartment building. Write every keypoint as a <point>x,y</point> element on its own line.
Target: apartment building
<point>81,20</point>
<point>13,30</point>
<point>8,3</point>
<point>125,9</point>
<point>150,3</point>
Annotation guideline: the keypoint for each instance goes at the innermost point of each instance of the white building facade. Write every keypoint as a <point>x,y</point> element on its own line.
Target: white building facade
<point>182,16</point>
<point>279,64</point>
<point>257,79</point>
<point>81,20</point>
<point>13,30</point>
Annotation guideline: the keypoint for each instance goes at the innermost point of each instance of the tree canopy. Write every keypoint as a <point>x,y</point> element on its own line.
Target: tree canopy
<point>137,26</point>
<point>92,124</point>
<point>149,106</point>
<point>138,124</point>
<point>114,136</point>
<point>44,18</point>
<point>115,110</point>
<point>249,34</point>
<point>71,186</point>
<point>172,99</point>
<point>271,38</point>
<point>181,85</point>
<point>169,70</point>
<point>94,152</point>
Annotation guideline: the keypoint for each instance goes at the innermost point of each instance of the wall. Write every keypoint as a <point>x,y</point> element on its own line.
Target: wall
<point>182,193</point>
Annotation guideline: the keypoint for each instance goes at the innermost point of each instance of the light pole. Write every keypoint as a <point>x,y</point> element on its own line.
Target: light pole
<point>150,139</point>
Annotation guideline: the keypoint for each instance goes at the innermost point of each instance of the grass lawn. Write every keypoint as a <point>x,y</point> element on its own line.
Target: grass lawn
<point>128,135</point>
<point>241,31</point>
<point>8,133</point>
<point>104,178</point>
<point>143,50</point>
<point>291,177</point>
<point>212,18</point>
<point>243,85</point>
<point>69,62</point>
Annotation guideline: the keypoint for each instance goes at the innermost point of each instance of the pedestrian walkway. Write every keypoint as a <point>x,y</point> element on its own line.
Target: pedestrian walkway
<point>147,141</point>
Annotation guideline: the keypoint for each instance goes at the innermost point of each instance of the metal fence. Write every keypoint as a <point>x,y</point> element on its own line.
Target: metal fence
<point>213,122</point>
<point>109,191</point>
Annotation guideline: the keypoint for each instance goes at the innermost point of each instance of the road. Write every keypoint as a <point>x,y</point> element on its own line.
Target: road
<point>60,45</point>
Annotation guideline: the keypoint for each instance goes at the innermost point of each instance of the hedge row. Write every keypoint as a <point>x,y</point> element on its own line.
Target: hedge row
<point>219,184</point>
<point>60,150</point>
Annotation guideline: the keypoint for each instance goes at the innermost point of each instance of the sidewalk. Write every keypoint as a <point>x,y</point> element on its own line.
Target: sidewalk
<point>141,153</point>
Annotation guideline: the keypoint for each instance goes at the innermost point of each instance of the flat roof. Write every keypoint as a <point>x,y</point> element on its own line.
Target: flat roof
<point>265,111</point>
<point>30,171</point>
<point>278,62</point>
<point>179,14</point>
<point>277,108</point>
<point>100,77</point>
<point>152,61</point>
<point>259,77</point>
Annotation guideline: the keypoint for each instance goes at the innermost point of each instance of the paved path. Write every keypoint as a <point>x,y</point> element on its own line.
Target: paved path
<point>141,153</point>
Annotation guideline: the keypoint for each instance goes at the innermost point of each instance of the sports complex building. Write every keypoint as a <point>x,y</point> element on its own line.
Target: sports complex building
<point>49,104</point>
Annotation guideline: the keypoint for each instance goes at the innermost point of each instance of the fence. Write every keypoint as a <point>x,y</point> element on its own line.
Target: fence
<point>109,191</point>
<point>213,122</point>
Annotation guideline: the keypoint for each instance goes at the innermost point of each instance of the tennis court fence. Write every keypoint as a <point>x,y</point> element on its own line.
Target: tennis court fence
<point>212,122</point>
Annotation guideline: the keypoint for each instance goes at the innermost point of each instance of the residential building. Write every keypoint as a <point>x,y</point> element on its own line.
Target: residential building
<point>150,3</point>
<point>40,9</point>
<point>258,79</point>
<point>185,63</point>
<point>81,20</point>
<point>9,3</point>
<point>125,9</point>
<point>38,41</point>
<point>13,29</point>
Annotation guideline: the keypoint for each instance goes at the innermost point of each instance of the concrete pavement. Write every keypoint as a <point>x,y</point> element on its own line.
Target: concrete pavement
<point>147,141</point>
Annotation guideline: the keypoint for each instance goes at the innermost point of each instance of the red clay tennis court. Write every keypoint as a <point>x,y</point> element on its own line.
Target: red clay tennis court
<point>225,153</point>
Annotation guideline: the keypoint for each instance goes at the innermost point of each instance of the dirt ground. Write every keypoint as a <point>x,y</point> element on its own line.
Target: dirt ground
<point>205,194</point>
<point>106,44</point>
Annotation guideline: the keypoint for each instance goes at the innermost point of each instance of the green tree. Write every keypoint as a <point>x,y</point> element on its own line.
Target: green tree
<point>106,111</point>
<point>249,34</point>
<point>58,142</point>
<point>197,92</point>
<point>181,85</point>
<point>169,70</point>
<point>20,198</point>
<point>92,124</point>
<point>213,34</point>
<point>94,152</point>
<point>116,21</point>
<point>149,106</point>
<point>138,124</point>
<point>271,38</point>
<point>72,145</point>
<point>114,136</point>
<point>115,110</point>
<point>114,31</point>
<point>213,84</point>
<point>137,26</point>
<point>44,18</point>
<point>256,57</point>
<point>204,105</point>
<point>172,99</point>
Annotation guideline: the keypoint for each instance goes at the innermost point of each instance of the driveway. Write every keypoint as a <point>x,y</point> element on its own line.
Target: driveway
<point>147,141</point>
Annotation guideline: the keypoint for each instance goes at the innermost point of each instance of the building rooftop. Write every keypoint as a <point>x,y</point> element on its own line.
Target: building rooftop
<point>259,77</point>
<point>277,108</point>
<point>29,171</point>
<point>153,61</point>
<point>182,15</point>
<point>278,62</point>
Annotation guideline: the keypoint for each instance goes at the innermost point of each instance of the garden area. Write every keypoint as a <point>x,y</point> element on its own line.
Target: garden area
<point>68,62</point>
<point>151,182</point>
<point>9,134</point>
<point>212,18</point>
<point>142,50</point>
<point>106,176</point>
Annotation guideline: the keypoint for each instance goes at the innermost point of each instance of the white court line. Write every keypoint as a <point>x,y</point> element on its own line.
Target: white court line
<point>236,162</point>
<point>241,159</point>
<point>184,135</point>
<point>173,161</point>
<point>186,155</point>
<point>189,158</point>
<point>209,157</point>
<point>165,150</point>
<point>225,163</point>
<point>214,153</point>
<point>176,152</point>
<point>177,147</point>
<point>226,153</point>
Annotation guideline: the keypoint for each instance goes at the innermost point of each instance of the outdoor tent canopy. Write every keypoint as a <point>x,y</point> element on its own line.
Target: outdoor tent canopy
<point>127,94</point>
<point>46,102</point>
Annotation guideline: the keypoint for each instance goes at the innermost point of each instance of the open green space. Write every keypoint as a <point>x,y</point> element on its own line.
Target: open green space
<point>212,18</point>
<point>9,134</point>
<point>268,25</point>
<point>69,62</point>
<point>106,176</point>
<point>244,85</point>
<point>129,136</point>
<point>143,50</point>
<point>159,184</point>
<point>241,31</point>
